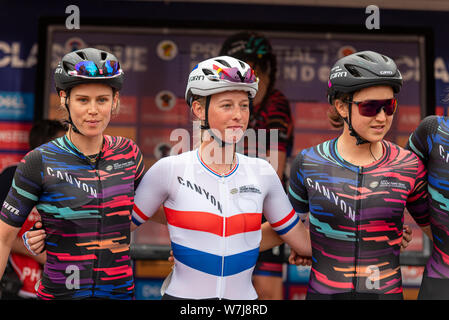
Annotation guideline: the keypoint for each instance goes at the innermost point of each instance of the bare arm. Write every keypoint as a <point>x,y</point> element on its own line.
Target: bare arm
<point>7,236</point>
<point>298,238</point>
<point>270,238</point>
<point>158,217</point>
<point>18,247</point>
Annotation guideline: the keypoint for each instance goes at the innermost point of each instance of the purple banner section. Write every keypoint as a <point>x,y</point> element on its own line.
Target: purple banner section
<point>154,61</point>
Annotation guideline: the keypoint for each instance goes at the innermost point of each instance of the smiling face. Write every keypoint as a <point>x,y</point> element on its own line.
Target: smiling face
<point>228,114</point>
<point>90,107</point>
<point>373,128</point>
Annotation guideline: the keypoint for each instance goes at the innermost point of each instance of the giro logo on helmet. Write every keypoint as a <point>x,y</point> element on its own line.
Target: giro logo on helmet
<point>339,75</point>
<point>196,78</point>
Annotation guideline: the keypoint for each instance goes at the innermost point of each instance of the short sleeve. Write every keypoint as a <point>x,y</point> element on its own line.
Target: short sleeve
<point>417,201</point>
<point>421,138</point>
<point>25,190</point>
<point>140,165</point>
<point>276,208</point>
<point>297,192</point>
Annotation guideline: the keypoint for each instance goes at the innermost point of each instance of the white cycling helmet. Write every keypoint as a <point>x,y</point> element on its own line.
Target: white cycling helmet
<point>220,74</point>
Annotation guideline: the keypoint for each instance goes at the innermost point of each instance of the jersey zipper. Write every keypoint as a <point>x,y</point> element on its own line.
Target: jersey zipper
<point>222,194</point>
<point>99,191</point>
<point>357,229</point>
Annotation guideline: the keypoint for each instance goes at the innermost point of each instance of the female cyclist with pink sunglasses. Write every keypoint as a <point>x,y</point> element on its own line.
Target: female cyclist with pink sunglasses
<point>355,187</point>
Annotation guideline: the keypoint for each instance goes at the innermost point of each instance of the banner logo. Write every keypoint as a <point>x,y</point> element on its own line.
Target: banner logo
<point>167,50</point>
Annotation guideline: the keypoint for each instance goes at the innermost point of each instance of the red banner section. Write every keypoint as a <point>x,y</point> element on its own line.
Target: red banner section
<point>305,140</point>
<point>407,118</point>
<point>14,136</point>
<point>310,115</point>
<point>164,108</point>
<point>128,110</point>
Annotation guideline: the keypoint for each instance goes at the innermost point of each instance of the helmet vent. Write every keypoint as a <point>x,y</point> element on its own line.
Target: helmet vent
<point>385,58</point>
<point>353,70</point>
<point>207,72</point>
<point>104,55</point>
<point>81,55</point>
<point>223,62</point>
<point>364,56</point>
<point>67,66</point>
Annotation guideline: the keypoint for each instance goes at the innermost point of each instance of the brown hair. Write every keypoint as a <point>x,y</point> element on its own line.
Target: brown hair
<point>202,102</point>
<point>334,117</point>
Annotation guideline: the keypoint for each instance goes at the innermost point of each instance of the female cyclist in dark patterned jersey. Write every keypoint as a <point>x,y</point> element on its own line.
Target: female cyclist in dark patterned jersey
<point>430,142</point>
<point>356,187</point>
<point>82,185</point>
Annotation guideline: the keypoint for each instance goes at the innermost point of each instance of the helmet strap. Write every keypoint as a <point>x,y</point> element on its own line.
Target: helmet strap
<point>359,139</point>
<point>70,121</point>
<point>207,127</point>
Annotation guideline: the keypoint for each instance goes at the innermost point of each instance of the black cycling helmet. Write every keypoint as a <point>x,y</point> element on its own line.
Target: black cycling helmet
<point>358,71</point>
<point>88,65</point>
<point>252,47</point>
<point>248,46</point>
<point>362,70</point>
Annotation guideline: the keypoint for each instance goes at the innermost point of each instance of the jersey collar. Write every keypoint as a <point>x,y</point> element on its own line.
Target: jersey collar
<point>229,173</point>
<point>75,150</point>
<point>334,152</point>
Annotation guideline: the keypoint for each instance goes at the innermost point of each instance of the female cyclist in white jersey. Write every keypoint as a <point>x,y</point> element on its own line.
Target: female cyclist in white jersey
<point>214,197</point>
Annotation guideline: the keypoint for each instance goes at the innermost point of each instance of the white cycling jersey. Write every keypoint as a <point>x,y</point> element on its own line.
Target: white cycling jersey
<point>214,221</point>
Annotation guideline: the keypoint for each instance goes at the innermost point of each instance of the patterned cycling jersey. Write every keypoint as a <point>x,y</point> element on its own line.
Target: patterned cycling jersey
<point>430,142</point>
<point>214,221</point>
<point>274,114</point>
<point>356,216</point>
<point>86,213</point>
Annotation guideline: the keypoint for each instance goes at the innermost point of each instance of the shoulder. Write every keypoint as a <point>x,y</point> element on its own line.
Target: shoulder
<point>430,124</point>
<point>183,159</point>
<point>320,150</point>
<point>399,154</point>
<point>118,144</point>
<point>246,160</point>
<point>259,165</point>
<point>277,95</point>
<point>277,100</point>
<point>34,155</point>
<point>115,141</point>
